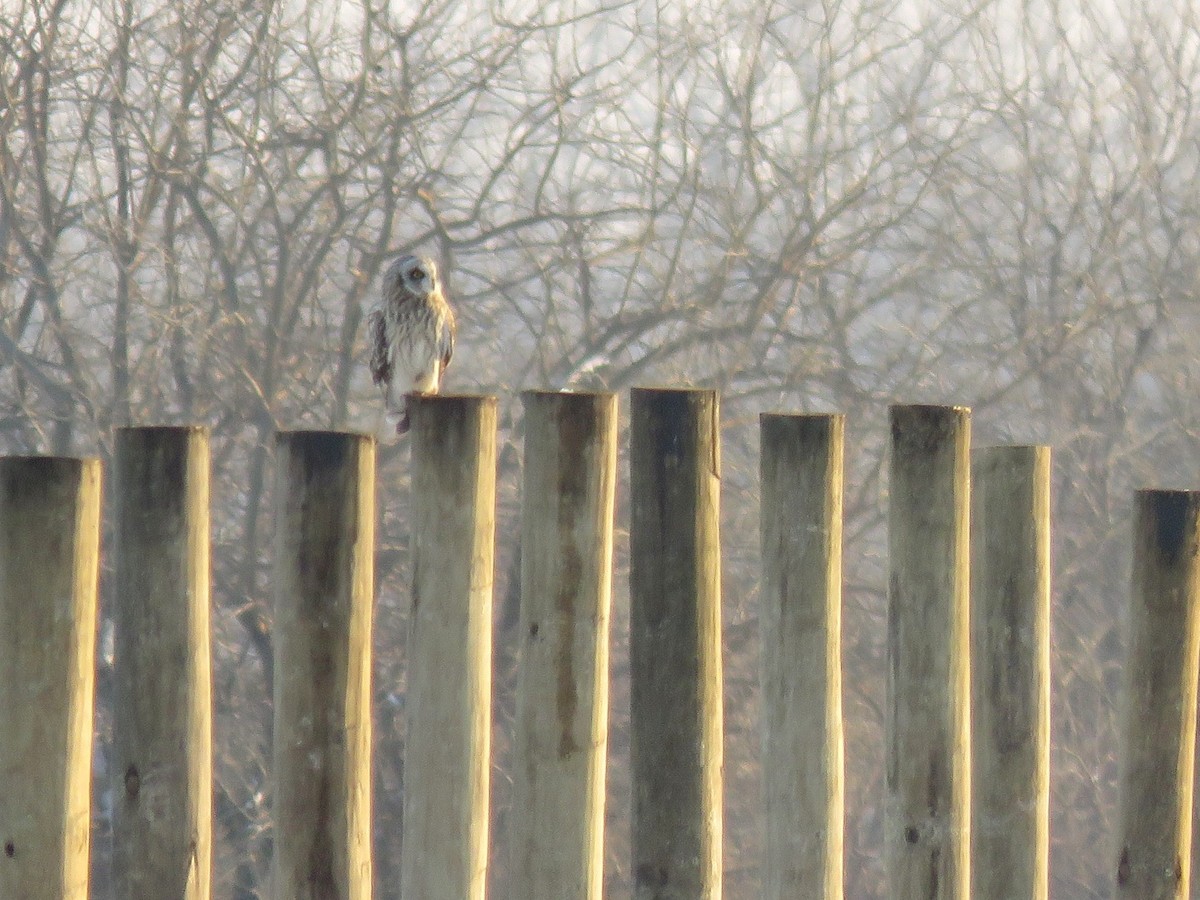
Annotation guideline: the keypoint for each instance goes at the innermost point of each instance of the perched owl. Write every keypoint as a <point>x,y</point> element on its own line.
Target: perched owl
<point>411,334</point>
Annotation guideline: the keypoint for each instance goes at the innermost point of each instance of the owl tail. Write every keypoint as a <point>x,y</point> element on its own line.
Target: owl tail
<point>395,410</point>
<point>402,423</point>
<point>397,416</point>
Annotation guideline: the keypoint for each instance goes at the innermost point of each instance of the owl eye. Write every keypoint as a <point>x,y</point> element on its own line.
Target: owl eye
<point>416,274</point>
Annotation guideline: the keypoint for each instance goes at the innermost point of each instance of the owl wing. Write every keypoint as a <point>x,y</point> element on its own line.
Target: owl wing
<point>381,363</point>
<point>446,339</point>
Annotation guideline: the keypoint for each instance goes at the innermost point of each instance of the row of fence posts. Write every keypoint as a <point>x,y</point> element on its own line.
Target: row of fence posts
<point>968,660</point>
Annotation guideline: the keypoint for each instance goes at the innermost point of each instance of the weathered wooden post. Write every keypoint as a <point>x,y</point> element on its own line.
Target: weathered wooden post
<point>162,718</point>
<point>1159,717</point>
<point>324,584</point>
<point>928,822</point>
<point>49,562</point>
<point>675,644</point>
<point>448,710</point>
<point>801,615</point>
<point>1010,673</point>
<point>557,834</point>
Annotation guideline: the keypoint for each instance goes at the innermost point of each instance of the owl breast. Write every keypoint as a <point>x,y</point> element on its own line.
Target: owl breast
<point>416,365</point>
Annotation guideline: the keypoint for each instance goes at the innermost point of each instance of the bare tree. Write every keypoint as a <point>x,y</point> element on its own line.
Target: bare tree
<point>829,206</point>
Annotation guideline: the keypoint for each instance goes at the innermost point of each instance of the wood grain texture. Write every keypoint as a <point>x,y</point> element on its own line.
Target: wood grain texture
<point>927,833</point>
<point>801,609</point>
<point>448,709</point>
<point>49,564</point>
<point>557,833</point>
<point>1010,672</point>
<point>162,716</point>
<point>1158,719</point>
<point>324,585</point>
<point>675,644</point>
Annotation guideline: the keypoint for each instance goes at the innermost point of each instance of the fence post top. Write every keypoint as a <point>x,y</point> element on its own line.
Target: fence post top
<point>47,461</point>
<point>572,396</point>
<point>660,390</point>
<point>1011,450</point>
<point>452,399</point>
<point>325,450</point>
<point>190,428</point>
<point>1166,495</point>
<point>316,434</point>
<point>927,409</point>
<point>798,419</point>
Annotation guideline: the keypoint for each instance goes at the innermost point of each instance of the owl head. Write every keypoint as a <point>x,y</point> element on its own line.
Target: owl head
<point>415,275</point>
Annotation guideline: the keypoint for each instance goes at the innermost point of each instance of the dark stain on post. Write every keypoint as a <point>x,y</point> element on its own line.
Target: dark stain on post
<point>321,874</point>
<point>171,456</point>
<point>1173,514</point>
<point>323,452</point>
<point>1123,868</point>
<point>446,433</point>
<point>1015,712</point>
<point>933,801</point>
<point>10,849</point>
<point>920,430</point>
<point>671,436</point>
<point>672,696</point>
<point>133,782</point>
<point>577,428</point>
<point>415,598</point>
<point>714,411</point>
<point>31,482</point>
<point>670,421</point>
<point>789,433</point>
<point>933,794</point>
<point>652,876</point>
<point>895,600</point>
<point>566,696</point>
<point>151,480</point>
<point>319,467</point>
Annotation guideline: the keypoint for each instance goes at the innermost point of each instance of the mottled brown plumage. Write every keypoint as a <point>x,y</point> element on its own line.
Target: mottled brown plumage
<point>411,334</point>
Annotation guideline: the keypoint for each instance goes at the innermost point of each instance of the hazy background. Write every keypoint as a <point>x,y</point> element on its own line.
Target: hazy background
<point>817,206</point>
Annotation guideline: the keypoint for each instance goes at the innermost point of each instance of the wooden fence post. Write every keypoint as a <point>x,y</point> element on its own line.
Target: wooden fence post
<point>162,725</point>
<point>801,614</point>
<point>448,705</point>
<point>324,583</point>
<point>49,561</point>
<point>928,822</point>
<point>675,644</point>
<point>1010,673</point>
<point>1159,718</point>
<point>557,835</point>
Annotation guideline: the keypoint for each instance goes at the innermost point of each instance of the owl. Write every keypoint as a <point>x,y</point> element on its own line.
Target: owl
<point>411,333</point>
